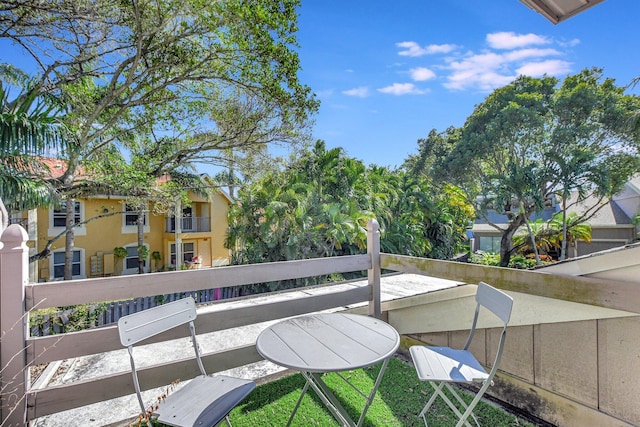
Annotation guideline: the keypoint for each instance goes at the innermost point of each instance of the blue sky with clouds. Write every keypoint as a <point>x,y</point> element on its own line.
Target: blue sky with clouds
<point>388,72</point>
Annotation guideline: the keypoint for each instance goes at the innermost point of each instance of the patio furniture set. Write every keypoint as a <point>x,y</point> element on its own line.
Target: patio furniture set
<point>316,344</point>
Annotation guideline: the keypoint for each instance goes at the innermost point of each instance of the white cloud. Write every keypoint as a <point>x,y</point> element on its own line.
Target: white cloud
<point>510,40</point>
<point>360,92</point>
<point>414,49</point>
<point>551,67</point>
<point>570,43</point>
<point>483,79</point>
<point>518,55</point>
<point>489,70</point>
<point>421,74</point>
<point>402,89</point>
<point>506,55</point>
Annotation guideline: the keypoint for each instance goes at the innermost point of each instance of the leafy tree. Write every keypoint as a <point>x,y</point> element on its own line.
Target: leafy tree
<point>320,203</point>
<point>214,75</point>
<point>531,138</point>
<point>594,152</point>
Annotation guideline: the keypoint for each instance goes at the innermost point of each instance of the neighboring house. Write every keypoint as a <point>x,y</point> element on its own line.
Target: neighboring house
<point>612,226</point>
<point>204,226</point>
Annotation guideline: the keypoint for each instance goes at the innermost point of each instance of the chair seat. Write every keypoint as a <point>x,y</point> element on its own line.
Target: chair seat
<point>447,364</point>
<point>204,401</point>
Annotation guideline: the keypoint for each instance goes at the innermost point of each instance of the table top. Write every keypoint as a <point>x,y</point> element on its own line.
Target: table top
<point>328,342</point>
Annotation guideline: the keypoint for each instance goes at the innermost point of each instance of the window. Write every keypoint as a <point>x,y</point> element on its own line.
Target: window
<point>60,215</point>
<point>131,261</point>
<point>58,219</point>
<point>490,244</point>
<point>130,220</point>
<point>187,219</point>
<point>188,252</point>
<point>58,264</point>
<point>131,216</point>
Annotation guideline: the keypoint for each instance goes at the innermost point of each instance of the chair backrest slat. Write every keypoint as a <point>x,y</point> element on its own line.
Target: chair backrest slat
<point>498,302</point>
<point>147,323</point>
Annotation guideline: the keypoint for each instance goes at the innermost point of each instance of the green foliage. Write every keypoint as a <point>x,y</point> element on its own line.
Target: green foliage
<point>485,258</point>
<point>172,81</point>
<point>67,319</point>
<point>549,235</point>
<point>320,204</point>
<point>493,259</point>
<point>143,252</point>
<point>119,252</point>
<point>532,138</point>
<point>29,126</point>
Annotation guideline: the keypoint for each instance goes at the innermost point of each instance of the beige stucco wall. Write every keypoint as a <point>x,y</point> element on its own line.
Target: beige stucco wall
<point>104,234</point>
<point>575,374</point>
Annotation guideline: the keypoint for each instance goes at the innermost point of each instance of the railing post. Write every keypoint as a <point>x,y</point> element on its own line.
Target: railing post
<point>373,249</point>
<point>14,373</point>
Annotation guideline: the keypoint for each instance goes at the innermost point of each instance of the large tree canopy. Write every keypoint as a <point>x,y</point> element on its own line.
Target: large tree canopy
<point>223,73</point>
<point>320,203</point>
<point>533,138</point>
<point>204,76</point>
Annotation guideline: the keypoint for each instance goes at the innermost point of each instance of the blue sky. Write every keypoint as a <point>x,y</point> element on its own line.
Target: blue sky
<point>388,72</point>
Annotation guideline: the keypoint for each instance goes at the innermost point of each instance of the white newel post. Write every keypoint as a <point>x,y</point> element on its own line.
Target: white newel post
<point>14,275</point>
<point>373,249</point>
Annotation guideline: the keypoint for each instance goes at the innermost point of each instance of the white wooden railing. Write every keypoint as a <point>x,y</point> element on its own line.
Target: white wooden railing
<point>18,351</point>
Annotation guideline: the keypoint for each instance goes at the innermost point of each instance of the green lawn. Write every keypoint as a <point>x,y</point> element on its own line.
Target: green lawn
<point>400,398</point>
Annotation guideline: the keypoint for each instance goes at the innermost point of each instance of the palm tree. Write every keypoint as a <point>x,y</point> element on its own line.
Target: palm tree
<point>555,233</point>
<point>28,128</point>
<point>572,228</point>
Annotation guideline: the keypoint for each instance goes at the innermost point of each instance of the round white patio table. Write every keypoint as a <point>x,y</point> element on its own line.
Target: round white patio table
<point>330,342</point>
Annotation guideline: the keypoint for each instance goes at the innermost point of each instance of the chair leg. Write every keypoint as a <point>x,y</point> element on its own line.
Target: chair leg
<point>468,412</point>
<point>225,420</point>
<point>432,399</point>
<point>474,402</point>
<point>438,392</point>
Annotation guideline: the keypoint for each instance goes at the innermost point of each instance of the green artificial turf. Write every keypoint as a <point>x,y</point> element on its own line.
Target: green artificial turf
<point>400,398</point>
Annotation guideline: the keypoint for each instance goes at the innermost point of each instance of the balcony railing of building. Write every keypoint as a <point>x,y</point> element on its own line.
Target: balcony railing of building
<point>18,350</point>
<point>194,224</point>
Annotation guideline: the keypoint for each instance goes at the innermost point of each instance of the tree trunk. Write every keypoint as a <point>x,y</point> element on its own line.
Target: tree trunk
<point>563,244</point>
<point>69,238</point>
<point>506,242</point>
<point>140,224</point>
<point>531,236</point>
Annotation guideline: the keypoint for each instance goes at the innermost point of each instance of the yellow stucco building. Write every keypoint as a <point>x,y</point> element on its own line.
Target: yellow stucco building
<point>201,230</point>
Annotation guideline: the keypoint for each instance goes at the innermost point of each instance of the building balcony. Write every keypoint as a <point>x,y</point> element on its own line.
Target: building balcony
<point>196,224</point>
<point>571,347</point>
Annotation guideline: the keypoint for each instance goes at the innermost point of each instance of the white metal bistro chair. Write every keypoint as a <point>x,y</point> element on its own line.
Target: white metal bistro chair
<point>206,400</point>
<point>444,365</point>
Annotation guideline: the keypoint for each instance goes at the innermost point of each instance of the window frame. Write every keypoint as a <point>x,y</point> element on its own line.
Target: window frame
<point>133,228</point>
<point>172,251</point>
<point>134,270</point>
<point>81,264</point>
<point>54,214</point>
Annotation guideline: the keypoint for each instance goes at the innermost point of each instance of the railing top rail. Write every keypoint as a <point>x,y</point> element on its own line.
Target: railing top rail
<point>72,292</point>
